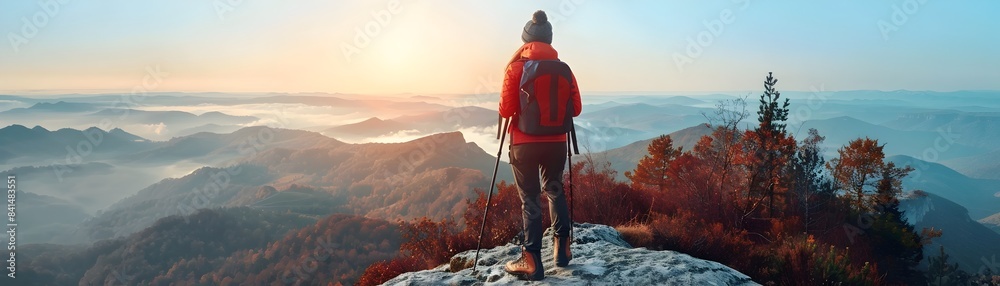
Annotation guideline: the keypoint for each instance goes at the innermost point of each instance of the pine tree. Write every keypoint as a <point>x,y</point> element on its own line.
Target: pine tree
<point>769,114</point>
<point>773,148</point>
<point>897,244</point>
<point>939,272</point>
<point>890,184</point>
<point>812,188</point>
<point>652,169</point>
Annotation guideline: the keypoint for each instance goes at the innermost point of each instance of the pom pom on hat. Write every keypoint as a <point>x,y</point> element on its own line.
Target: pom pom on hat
<point>539,17</point>
<point>538,29</point>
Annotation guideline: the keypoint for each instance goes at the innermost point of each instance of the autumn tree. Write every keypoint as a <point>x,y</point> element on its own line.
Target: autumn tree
<point>711,176</point>
<point>858,170</point>
<point>652,169</point>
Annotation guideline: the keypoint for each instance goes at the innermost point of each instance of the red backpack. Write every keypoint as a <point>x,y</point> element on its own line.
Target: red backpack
<point>546,99</point>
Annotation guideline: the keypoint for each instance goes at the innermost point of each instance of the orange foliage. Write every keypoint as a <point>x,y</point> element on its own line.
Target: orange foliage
<point>652,169</point>
<point>598,198</point>
<point>382,271</point>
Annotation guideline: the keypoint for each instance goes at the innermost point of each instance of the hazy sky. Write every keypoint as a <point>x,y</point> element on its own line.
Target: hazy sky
<point>430,46</point>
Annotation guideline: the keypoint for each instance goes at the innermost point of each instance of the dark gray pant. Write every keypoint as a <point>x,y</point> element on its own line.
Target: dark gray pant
<point>527,160</point>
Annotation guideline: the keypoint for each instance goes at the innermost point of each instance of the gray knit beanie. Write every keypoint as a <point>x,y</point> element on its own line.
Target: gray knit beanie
<point>538,29</point>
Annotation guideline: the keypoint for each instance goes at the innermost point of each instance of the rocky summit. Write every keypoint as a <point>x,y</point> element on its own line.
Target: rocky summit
<point>600,257</point>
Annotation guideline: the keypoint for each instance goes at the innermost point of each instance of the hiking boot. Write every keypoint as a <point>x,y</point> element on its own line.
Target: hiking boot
<point>528,267</point>
<point>560,250</point>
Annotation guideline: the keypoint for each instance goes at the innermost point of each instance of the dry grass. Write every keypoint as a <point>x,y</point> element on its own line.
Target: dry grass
<point>638,235</point>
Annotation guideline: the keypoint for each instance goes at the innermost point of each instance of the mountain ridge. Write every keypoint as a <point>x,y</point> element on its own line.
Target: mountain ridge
<point>430,176</point>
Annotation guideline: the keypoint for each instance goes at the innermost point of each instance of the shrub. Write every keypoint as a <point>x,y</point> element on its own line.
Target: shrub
<point>598,198</point>
<point>382,271</point>
<point>803,261</point>
<point>637,235</point>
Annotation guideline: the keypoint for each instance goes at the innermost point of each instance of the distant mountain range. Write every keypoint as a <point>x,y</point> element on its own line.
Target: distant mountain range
<point>841,130</point>
<point>37,145</point>
<point>976,195</point>
<point>210,128</point>
<point>99,110</point>
<point>357,104</point>
<point>372,127</point>
<point>172,118</point>
<point>977,129</point>
<point>615,100</point>
<point>426,123</point>
<point>42,145</point>
<point>659,119</point>
<point>214,149</point>
<point>98,114</point>
<point>58,107</point>
<point>611,125</point>
<point>967,242</point>
<point>431,176</point>
<point>958,100</point>
<point>983,166</point>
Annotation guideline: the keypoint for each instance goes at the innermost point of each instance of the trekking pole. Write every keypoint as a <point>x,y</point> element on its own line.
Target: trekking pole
<point>489,195</point>
<point>569,158</point>
<point>499,126</point>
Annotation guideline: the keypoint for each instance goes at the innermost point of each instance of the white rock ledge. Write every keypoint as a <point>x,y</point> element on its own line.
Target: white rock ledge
<point>600,257</point>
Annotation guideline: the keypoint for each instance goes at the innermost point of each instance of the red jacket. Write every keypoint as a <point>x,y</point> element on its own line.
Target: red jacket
<point>510,99</point>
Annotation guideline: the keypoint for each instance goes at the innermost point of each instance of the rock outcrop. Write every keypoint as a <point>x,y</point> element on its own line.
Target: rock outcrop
<point>601,257</point>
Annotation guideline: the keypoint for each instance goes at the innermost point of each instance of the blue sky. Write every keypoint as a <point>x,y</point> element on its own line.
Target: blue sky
<point>431,46</point>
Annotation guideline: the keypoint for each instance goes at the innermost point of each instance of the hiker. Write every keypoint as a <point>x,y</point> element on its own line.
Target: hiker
<point>530,154</point>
